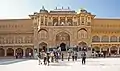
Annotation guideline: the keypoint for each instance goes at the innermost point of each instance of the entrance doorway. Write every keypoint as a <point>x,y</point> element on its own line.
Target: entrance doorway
<point>42,47</point>
<point>10,52</point>
<point>63,46</point>
<point>63,40</point>
<point>19,52</point>
<point>83,46</point>
<point>113,50</point>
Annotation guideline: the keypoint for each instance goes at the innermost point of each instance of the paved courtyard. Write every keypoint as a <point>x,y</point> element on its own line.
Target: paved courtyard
<point>107,64</point>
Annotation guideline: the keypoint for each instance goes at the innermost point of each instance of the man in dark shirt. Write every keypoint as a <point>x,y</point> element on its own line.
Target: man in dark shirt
<point>83,58</point>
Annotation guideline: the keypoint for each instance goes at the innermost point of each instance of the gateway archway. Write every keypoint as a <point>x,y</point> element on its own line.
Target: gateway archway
<point>63,40</point>
<point>113,50</point>
<point>27,51</point>
<point>63,46</point>
<point>10,52</point>
<point>42,47</point>
<point>19,52</point>
<point>83,46</point>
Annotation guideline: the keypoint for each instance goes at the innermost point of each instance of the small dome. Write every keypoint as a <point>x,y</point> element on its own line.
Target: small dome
<point>43,10</point>
<point>83,10</point>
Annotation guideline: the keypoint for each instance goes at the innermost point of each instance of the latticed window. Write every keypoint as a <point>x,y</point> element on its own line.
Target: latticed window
<point>69,21</point>
<point>55,21</point>
<point>46,21</point>
<point>105,39</point>
<point>113,39</point>
<point>95,39</point>
<point>82,21</point>
<point>82,34</point>
<point>43,34</point>
<point>42,20</point>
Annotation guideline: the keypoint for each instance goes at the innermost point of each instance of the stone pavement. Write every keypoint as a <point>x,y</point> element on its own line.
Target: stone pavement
<point>101,64</point>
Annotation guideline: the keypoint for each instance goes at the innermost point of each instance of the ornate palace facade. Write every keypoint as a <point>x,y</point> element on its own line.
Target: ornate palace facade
<point>63,28</point>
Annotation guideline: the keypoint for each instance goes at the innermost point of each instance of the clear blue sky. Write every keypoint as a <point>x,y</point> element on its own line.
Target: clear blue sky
<point>22,8</point>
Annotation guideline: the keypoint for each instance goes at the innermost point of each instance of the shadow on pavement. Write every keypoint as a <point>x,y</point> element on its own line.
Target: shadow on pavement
<point>11,61</point>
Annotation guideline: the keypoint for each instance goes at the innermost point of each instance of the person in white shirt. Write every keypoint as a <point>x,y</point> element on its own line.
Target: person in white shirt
<point>30,55</point>
<point>39,58</point>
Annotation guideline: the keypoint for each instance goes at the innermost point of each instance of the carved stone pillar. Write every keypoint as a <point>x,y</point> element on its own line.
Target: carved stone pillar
<point>23,52</point>
<point>59,21</point>
<point>65,20</point>
<point>5,52</point>
<point>109,50</point>
<point>118,50</point>
<point>100,50</point>
<point>14,51</point>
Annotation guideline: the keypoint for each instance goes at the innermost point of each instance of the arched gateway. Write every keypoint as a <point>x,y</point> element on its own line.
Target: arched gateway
<point>63,40</point>
<point>42,46</point>
<point>82,46</point>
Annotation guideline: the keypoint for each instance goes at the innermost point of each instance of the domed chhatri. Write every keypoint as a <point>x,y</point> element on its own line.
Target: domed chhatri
<point>43,10</point>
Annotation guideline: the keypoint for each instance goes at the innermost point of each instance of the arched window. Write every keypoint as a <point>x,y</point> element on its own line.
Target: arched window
<point>95,39</point>
<point>55,21</point>
<point>82,34</point>
<point>113,39</point>
<point>42,20</point>
<point>46,21</point>
<point>105,39</point>
<point>69,22</point>
<point>43,34</point>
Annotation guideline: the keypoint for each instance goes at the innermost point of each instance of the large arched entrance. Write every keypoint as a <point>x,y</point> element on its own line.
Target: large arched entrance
<point>2,52</point>
<point>42,47</point>
<point>10,52</point>
<point>19,52</point>
<point>96,49</point>
<point>63,46</point>
<point>63,40</point>
<point>105,50</point>
<point>113,50</point>
<point>83,46</point>
<point>27,51</point>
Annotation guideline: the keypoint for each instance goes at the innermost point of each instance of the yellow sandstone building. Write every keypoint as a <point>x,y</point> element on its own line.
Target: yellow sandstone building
<point>63,28</point>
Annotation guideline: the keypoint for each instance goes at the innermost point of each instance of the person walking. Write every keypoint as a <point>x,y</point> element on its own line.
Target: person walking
<point>39,58</point>
<point>48,57</point>
<point>44,58</point>
<point>68,55</point>
<point>73,56</point>
<point>52,56</point>
<point>62,56</point>
<point>16,55</point>
<point>76,56</point>
<point>30,55</point>
<point>83,58</point>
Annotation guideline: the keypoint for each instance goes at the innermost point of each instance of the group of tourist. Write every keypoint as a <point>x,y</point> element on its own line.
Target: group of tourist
<point>20,55</point>
<point>100,54</point>
<point>55,56</point>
